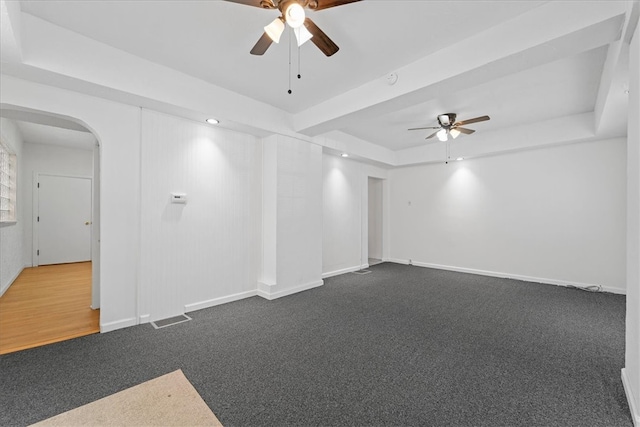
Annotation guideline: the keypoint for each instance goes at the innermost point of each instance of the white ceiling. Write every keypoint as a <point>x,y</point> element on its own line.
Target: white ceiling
<point>520,62</point>
<point>561,88</point>
<point>211,40</point>
<point>35,133</point>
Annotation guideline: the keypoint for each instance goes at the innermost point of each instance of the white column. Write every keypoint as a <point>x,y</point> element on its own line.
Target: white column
<point>292,217</point>
<point>631,372</point>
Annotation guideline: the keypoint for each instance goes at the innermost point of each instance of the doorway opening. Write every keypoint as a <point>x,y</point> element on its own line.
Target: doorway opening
<point>375,186</point>
<point>57,295</point>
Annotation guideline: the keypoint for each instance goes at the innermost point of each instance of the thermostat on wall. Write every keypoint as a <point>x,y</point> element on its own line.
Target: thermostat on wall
<point>178,198</point>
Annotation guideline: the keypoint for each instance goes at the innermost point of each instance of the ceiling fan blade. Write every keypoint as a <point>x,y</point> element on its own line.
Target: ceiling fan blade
<point>256,3</point>
<point>320,39</point>
<point>430,127</point>
<point>475,120</point>
<point>464,130</point>
<point>263,44</point>
<point>432,135</point>
<point>326,4</point>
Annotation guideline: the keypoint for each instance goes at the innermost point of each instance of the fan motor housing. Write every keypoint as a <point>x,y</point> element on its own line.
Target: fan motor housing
<point>267,4</point>
<point>450,116</point>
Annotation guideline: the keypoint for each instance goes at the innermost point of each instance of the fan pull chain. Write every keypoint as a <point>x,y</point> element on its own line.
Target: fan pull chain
<point>299,75</point>
<point>446,162</point>
<point>289,91</point>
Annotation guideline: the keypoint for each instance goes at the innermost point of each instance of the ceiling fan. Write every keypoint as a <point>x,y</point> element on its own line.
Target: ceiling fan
<point>449,126</point>
<point>292,13</point>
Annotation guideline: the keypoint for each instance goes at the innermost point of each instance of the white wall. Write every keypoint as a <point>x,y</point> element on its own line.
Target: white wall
<point>631,372</point>
<point>555,215</point>
<point>124,299</point>
<point>207,251</point>
<point>47,159</point>
<point>11,235</point>
<point>117,128</point>
<point>345,213</point>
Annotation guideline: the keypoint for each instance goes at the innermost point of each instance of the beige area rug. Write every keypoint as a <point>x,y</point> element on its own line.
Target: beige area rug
<point>169,400</point>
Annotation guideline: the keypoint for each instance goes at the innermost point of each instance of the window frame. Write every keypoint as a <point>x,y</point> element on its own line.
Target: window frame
<point>8,185</point>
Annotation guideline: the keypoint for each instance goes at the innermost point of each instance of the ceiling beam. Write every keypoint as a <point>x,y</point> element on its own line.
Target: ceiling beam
<point>10,31</point>
<point>507,48</point>
<point>56,56</point>
<point>356,147</point>
<point>612,64</point>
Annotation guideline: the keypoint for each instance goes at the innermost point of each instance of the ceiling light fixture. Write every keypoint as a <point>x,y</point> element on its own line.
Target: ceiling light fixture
<point>460,158</point>
<point>344,155</point>
<point>454,133</point>
<point>213,121</point>
<point>302,35</point>
<point>442,135</point>
<point>275,29</point>
<point>294,15</point>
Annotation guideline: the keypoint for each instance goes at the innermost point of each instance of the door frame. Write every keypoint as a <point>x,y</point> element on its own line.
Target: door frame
<point>364,218</point>
<point>380,212</point>
<point>36,210</point>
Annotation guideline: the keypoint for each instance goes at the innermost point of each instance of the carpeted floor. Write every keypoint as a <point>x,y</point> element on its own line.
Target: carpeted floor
<point>400,346</point>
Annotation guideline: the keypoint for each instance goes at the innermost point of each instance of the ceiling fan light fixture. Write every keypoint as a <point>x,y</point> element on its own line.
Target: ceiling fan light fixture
<point>294,15</point>
<point>302,35</point>
<point>275,29</point>
<point>442,135</point>
<point>454,133</point>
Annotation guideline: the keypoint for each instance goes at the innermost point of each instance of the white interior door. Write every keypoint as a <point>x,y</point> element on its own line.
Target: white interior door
<point>64,219</point>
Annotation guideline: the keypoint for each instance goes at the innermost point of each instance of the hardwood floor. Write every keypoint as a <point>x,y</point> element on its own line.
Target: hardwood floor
<point>47,304</point>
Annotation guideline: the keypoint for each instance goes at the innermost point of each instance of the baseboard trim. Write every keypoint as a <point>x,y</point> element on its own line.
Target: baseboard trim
<point>118,324</point>
<point>218,301</point>
<point>144,318</point>
<point>546,281</point>
<point>344,271</point>
<point>633,408</point>
<point>267,291</point>
<point>6,287</point>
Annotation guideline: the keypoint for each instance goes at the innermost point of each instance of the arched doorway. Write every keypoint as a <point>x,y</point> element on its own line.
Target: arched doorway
<point>65,155</point>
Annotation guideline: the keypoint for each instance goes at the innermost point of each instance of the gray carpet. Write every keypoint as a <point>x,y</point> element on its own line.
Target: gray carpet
<point>400,346</point>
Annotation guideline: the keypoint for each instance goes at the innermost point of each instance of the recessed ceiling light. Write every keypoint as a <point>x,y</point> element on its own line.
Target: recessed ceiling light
<point>460,158</point>
<point>344,155</point>
<point>213,121</point>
